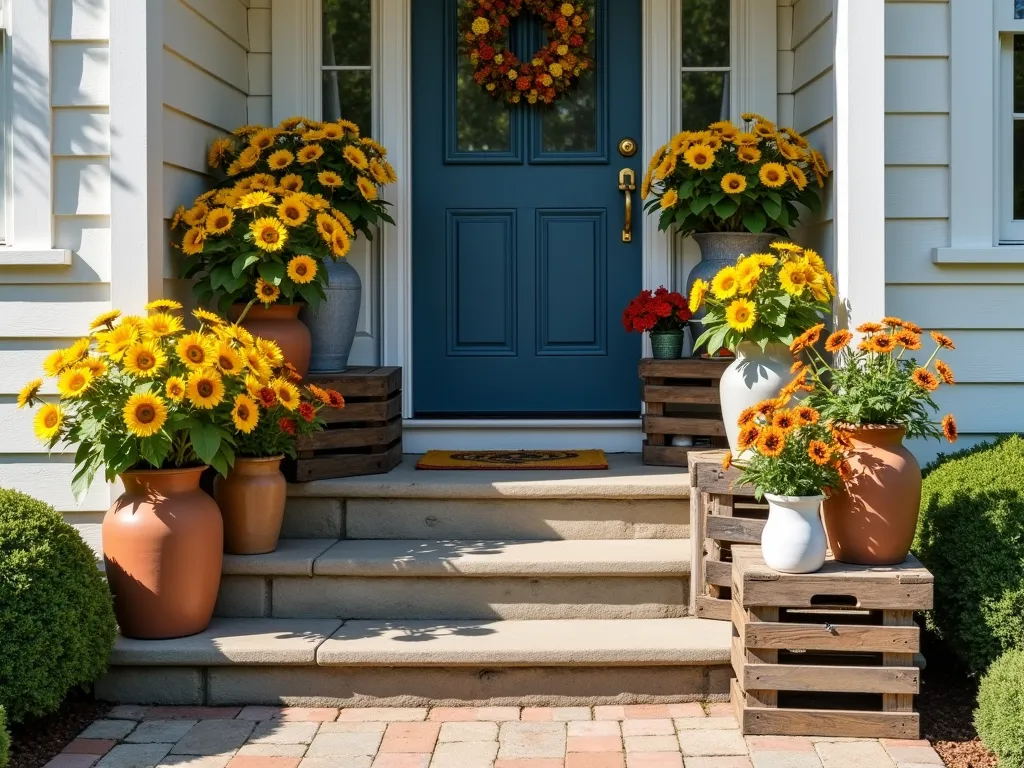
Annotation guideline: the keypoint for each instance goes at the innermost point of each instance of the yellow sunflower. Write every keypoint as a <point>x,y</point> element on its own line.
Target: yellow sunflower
<point>313,134</point>
<point>29,392</point>
<point>645,185</point>
<point>247,157</point>
<point>48,421</point>
<point>205,389</point>
<point>95,365</point>
<point>725,284</point>
<point>245,414</point>
<point>74,381</point>
<point>280,159</point>
<point>175,388</point>
<point>741,315</point>
<point>734,183</point>
<point>367,188</point>
<point>260,366</point>
<point>798,177</point>
<point>746,139</point>
<point>163,305</point>
<point>292,211</point>
<point>263,181</point>
<point>228,361</point>
<point>667,166</point>
<point>379,172</point>
<point>789,151</point>
<point>205,316</point>
<point>333,131</point>
<point>749,155</point>
<point>310,153</point>
<point>192,242</point>
<point>302,269</point>
<point>669,199</point>
<point>218,149</point>
<point>287,393</point>
<point>266,292</point>
<point>793,278</point>
<point>106,320</point>
<point>748,273</point>
<point>341,243</point>
<point>256,199</point>
<point>145,414</point>
<point>161,324</point>
<point>219,221</point>
<point>291,183</point>
<point>700,157</point>
<point>697,294</point>
<point>194,351</point>
<point>355,157</point>
<point>764,129</point>
<point>268,234</point>
<point>195,215</point>
<point>144,359</point>
<point>772,175</point>
<point>316,202</point>
<point>330,179</point>
<point>345,221</point>
<point>114,343</point>
<point>326,225</point>
<point>263,139</point>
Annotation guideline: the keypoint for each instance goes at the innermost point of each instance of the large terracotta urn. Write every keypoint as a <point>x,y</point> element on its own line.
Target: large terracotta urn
<point>251,499</point>
<point>163,545</point>
<point>871,520</point>
<point>280,323</point>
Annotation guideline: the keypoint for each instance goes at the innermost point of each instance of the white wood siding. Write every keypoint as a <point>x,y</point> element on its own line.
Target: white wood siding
<point>42,309</point>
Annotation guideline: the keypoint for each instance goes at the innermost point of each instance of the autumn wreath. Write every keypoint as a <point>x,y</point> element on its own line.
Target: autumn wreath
<point>551,71</point>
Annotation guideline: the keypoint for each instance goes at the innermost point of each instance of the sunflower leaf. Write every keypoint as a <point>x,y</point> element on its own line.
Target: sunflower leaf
<point>271,271</point>
<point>243,262</point>
<point>772,207</point>
<point>726,208</point>
<point>755,222</point>
<point>205,440</point>
<point>699,204</point>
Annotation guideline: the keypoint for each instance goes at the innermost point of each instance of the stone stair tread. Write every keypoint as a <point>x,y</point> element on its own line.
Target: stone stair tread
<point>411,558</point>
<point>625,478</point>
<point>277,642</point>
<point>293,557</point>
<point>567,642</point>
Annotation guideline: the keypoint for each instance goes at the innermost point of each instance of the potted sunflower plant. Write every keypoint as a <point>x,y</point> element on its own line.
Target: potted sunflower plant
<point>324,180</point>
<point>734,189</point>
<point>755,308</point>
<point>153,405</point>
<point>880,394</point>
<point>793,458</point>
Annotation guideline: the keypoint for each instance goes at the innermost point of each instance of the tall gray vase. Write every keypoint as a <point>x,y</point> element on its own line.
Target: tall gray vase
<point>333,324</point>
<point>718,250</point>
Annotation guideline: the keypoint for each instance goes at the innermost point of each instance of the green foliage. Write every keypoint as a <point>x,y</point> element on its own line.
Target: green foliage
<point>56,616</point>
<point>5,739</point>
<point>999,717</point>
<point>971,536</point>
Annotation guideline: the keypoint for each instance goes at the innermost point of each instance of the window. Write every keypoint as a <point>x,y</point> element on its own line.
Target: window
<point>706,62</point>
<point>1011,121</point>
<point>347,67</point>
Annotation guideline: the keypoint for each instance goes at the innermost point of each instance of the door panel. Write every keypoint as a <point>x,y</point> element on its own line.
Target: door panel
<point>520,272</point>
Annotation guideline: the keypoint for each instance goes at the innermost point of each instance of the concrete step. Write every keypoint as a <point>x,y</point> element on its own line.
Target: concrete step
<point>452,580</point>
<point>628,501</point>
<point>394,663</point>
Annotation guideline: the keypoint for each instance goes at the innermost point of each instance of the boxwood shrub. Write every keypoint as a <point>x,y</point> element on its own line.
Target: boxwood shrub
<point>999,717</point>
<point>971,536</point>
<point>56,616</point>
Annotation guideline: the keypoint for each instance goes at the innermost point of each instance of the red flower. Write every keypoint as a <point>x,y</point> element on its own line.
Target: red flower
<point>523,83</point>
<point>562,24</point>
<point>268,397</point>
<point>307,412</point>
<point>661,308</point>
<point>576,41</point>
<point>486,52</point>
<point>286,425</point>
<point>335,400</point>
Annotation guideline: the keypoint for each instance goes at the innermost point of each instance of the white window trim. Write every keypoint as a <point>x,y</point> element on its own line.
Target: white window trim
<point>978,234</point>
<point>296,90</point>
<point>28,188</point>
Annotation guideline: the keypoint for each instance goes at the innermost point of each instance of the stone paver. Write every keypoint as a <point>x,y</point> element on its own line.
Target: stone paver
<point>613,736</point>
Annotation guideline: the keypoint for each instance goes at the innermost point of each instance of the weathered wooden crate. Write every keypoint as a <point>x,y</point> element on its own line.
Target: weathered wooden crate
<point>681,398</point>
<point>722,513</point>
<point>829,653</point>
<point>364,437</point>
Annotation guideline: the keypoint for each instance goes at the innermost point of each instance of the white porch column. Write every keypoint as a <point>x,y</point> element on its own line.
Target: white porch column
<point>860,162</point>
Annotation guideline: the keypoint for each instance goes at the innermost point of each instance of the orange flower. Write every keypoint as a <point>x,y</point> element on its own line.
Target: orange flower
<point>945,372</point>
<point>334,399</point>
<point>807,339</point>
<point>943,340</point>
<point>908,340</point>
<point>843,438</point>
<point>747,417</point>
<point>912,327</point>
<point>772,442</point>
<point>869,328</point>
<point>837,341</point>
<point>748,436</point>
<point>807,415</point>
<point>892,322</point>
<point>784,420</point>
<point>845,470</point>
<point>797,367</point>
<point>727,460</point>
<point>882,343</point>
<point>925,379</point>
<point>766,408</point>
<point>819,452</point>
<point>949,428</point>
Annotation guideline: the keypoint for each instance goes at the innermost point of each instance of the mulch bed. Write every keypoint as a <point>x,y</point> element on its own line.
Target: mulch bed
<point>36,742</point>
<point>946,703</point>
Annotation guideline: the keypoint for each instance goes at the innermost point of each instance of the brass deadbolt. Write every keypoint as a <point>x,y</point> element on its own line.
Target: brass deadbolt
<point>627,147</point>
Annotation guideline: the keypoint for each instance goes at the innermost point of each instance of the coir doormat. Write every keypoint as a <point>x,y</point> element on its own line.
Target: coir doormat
<point>589,459</point>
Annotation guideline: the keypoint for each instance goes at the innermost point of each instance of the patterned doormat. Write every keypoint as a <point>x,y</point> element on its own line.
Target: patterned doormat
<point>590,459</point>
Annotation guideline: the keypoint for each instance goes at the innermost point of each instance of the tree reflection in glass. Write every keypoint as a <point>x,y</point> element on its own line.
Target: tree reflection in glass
<point>570,124</point>
<point>347,93</point>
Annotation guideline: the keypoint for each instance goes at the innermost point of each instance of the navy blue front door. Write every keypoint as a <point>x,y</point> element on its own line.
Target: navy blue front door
<point>520,272</point>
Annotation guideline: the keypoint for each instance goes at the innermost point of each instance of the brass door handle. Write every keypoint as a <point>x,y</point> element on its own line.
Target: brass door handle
<point>627,184</point>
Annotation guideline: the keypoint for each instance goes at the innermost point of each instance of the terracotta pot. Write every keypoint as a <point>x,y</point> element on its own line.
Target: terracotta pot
<point>251,499</point>
<point>163,544</point>
<point>280,323</point>
<point>872,520</point>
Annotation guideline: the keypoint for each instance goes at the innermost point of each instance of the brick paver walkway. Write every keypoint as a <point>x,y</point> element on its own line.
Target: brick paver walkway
<point>658,736</point>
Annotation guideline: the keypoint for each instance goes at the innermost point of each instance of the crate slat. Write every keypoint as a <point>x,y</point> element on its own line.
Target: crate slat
<point>810,637</point>
<point>356,437</point>
<point>824,678</point>
<point>347,465</point>
<point>678,425</point>
<point>680,399</point>
<point>736,530</point>
<point>369,411</point>
<point>683,368</point>
<point>687,395</point>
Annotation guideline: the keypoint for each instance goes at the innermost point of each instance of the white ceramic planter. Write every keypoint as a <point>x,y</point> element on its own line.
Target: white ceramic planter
<point>794,540</point>
<point>754,375</point>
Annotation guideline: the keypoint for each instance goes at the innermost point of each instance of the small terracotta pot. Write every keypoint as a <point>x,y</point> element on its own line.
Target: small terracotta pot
<point>251,499</point>
<point>163,545</point>
<point>872,519</point>
<point>280,323</point>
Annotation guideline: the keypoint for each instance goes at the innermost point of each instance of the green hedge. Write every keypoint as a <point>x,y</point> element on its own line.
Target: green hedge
<point>971,536</point>
<point>56,616</point>
<point>999,717</point>
<point>5,740</point>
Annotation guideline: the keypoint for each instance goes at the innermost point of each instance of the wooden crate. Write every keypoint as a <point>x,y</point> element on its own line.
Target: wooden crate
<point>681,398</point>
<point>364,437</point>
<point>722,513</point>
<point>829,653</point>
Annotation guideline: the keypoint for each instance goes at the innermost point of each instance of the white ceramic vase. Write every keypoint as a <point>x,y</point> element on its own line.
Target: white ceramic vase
<point>794,540</point>
<point>754,375</point>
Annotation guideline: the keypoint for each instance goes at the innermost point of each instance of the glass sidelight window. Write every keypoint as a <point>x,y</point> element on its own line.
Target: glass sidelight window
<point>347,67</point>
<point>1012,155</point>
<point>706,61</point>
